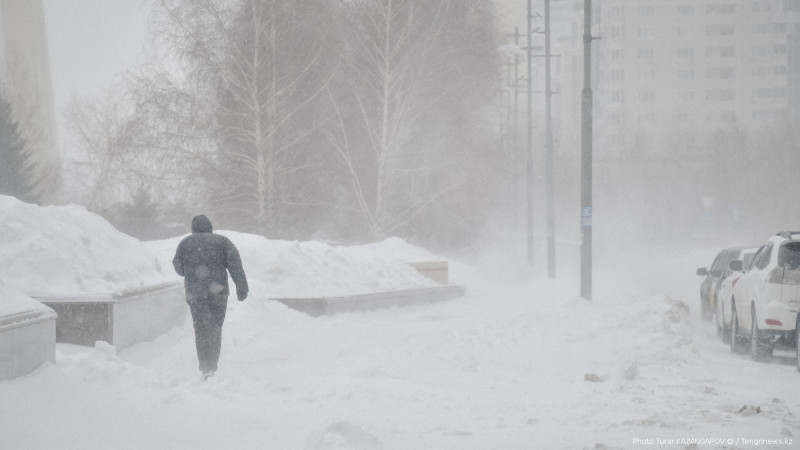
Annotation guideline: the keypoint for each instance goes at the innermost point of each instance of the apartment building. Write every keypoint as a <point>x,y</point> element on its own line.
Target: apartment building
<point>25,71</point>
<point>663,66</point>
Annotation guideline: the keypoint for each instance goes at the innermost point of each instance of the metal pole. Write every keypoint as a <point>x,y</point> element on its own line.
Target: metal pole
<point>586,155</point>
<point>516,134</point>
<point>548,144</point>
<point>529,171</point>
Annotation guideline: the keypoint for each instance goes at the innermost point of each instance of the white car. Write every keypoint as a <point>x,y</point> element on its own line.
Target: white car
<point>766,299</point>
<point>736,268</point>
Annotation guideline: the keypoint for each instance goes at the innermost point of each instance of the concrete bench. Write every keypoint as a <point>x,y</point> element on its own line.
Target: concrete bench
<point>326,306</point>
<point>27,340</point>
<point>119,319</point>
<point>438,271</point>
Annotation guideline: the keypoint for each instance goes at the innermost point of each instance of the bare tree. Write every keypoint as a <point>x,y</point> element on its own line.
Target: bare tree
<point>255,68</point>
<point>411,70</point>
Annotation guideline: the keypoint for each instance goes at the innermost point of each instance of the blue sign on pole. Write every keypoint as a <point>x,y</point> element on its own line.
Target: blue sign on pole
<point>586,217</point>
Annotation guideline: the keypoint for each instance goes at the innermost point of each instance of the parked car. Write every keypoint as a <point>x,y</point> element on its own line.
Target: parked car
<point>713,278</point>
<point>766,299</point>
<point>722,315</point>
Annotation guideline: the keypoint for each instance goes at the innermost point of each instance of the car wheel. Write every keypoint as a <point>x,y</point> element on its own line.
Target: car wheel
<point>759,349</point>
<point>723,331</point>
<point>797,342</point>
<point>736,341</point>
<point>705,308</point>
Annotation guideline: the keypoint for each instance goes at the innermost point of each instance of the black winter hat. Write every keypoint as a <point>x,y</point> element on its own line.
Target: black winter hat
<point>201,224</point>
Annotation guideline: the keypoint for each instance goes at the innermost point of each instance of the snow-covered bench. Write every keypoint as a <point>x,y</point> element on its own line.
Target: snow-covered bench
<point>326,306</point>
<point>27,333</point>
<point>437,271</point>
<point>120,319</point>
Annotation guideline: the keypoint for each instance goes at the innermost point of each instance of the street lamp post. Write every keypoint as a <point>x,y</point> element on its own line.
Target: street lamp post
<point>586,155</point>
<point>548,144</point>
<point>529,159</point>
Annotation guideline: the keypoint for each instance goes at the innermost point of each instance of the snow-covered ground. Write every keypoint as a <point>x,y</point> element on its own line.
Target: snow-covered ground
<point>520,362</point>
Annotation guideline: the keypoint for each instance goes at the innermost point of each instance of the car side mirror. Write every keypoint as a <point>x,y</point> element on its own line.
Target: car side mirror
<point>702,272</point>
<point>736,265</point>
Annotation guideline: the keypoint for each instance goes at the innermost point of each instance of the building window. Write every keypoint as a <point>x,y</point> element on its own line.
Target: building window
<point>721,51</point>
<point>720,73</point>
<point>687,96</point>
<point>647,97</point>
<point>721,95</point>
<point>763,114</point>
<point>721,29</point>
<point>685,53</point>
<point>684,32</point>
<point>617,32</point>
<point>617,75</point>
<point>762,93</point>
<point>761,28</point>
<point>727,116</point>
<point>646,118</point>
<point>686,74</point>
<point>617,53</point>
<point>645,53</point>
<point>686,10</point>
<point>762,50</point>
<point>647,75</point>
<point>646,11</point>
<point>721,8</point>
<point>644,33</point>
<point>762,71</point>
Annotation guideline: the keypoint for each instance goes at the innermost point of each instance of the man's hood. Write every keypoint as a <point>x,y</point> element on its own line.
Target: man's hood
<point>201,224</point>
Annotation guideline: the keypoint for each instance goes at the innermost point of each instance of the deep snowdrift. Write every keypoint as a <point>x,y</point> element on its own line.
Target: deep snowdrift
<point>519,363</point>
<point>65,250</point>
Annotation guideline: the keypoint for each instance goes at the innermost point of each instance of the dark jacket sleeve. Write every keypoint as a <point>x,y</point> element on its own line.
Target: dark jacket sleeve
<point>234,263</point>
<point>177,261</point>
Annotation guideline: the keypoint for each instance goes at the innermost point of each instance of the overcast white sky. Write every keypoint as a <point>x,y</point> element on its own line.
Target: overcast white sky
<point>90,42</point>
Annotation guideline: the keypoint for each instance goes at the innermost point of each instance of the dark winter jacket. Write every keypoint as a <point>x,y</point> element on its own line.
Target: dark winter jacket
<point>204,259</point>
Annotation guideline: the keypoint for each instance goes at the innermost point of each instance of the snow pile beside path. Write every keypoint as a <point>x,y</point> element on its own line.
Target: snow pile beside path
<point>314,269</point>
<point>14,302</point>
<point>652,337</point>
<point>66,250</point>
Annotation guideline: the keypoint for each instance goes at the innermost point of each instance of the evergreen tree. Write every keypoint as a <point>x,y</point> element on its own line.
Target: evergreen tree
<point>15,168</point>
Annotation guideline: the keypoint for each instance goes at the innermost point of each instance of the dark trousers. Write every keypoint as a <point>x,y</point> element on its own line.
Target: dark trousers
<point>207,318</point>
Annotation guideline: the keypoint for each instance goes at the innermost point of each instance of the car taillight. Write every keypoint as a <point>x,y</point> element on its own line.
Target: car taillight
<point>773,322</point>
<point>734,281</point>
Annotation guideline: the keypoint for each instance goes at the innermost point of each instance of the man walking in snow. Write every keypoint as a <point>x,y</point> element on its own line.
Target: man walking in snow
<point>204,259</point>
